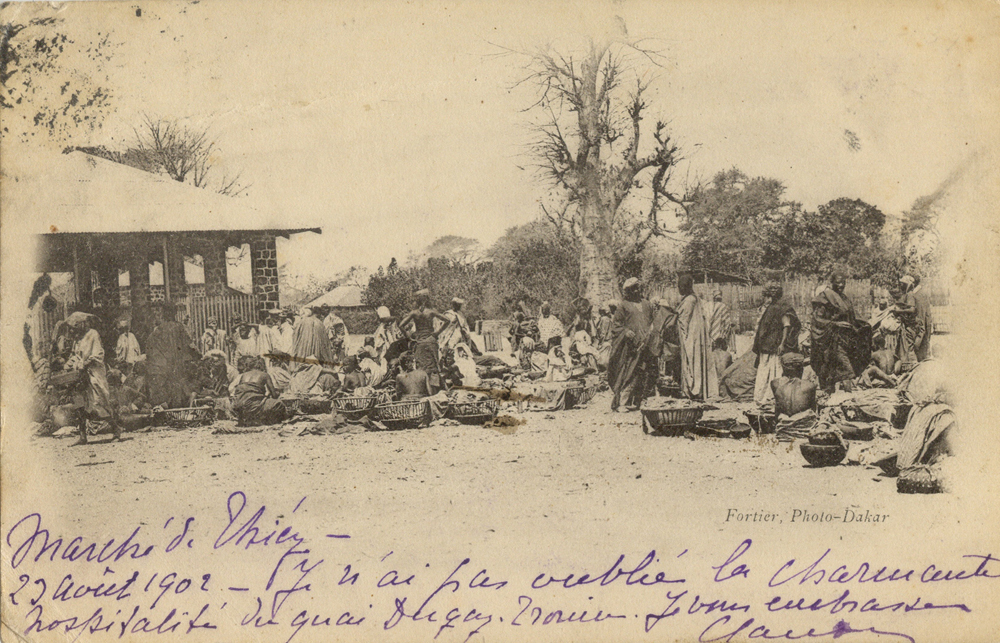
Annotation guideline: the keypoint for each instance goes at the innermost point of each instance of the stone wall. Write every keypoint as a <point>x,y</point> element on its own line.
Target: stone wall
<point>264,267</point>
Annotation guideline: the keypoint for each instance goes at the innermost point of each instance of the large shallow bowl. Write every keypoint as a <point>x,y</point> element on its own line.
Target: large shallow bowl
<point>823,455</point>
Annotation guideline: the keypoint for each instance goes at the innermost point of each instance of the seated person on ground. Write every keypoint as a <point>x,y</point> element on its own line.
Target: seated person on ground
<point>792,394</point>
<point>411,383</point>
<point>354,377</point>
<point>254,395</point>
<point>879,372</point>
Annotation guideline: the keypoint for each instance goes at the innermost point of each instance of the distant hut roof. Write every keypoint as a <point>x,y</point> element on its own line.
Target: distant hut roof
<point>339,297</point>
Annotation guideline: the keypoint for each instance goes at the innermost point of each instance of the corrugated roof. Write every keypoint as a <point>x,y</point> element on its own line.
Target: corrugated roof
<point>80,193</point>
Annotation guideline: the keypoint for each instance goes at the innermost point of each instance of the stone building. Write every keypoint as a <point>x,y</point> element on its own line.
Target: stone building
<point>118,229</point>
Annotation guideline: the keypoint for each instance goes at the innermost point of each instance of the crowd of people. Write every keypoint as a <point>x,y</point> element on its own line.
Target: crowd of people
<point>639,347</point>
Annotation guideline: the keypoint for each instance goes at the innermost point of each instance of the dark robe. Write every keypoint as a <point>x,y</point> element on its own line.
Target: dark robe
<point>252,402</point>
<point>310,339</point>
<point>629,363</point>
<point>771,327</point>
<point>833,338</point>
<point>169,354</point>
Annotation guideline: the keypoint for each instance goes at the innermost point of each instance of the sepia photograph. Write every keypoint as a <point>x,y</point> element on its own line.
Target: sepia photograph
<point>560,321</point>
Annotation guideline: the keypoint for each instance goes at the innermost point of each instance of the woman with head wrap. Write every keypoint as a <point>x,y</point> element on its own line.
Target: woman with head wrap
<point>456,331</point>
<point>699,379</point>
<point>833,335</point>
<point>88,356</point>
<point>777,334</point>
<point>630,367</point>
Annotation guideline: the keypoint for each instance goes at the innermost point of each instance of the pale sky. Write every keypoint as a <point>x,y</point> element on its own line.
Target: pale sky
<point>390,124</point>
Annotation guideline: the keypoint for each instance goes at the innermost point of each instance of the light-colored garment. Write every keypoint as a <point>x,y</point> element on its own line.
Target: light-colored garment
<point>374,371</point>
<point>89,353</point>
<point>247,346</point>
<point>127,349</point>
<point>548,327</point>
<point>385,336</point>
<point>698,375</point>
<point>335,326</point>
<point>287,333</point>
<point>466,366</point>
<point>720,325</point>
<point>269,340</point>
<point>214,340</point>
<point>768,369</point>
<point>455,332</point>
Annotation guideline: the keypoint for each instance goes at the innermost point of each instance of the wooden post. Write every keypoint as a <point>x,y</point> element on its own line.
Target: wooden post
<point>166,271</point>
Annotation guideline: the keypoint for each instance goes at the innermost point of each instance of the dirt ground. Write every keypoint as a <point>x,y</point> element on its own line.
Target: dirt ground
<point>585,467</point>
<point>567,490</point>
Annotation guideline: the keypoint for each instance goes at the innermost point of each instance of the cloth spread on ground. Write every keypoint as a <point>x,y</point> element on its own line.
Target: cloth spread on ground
<point>795,427</point>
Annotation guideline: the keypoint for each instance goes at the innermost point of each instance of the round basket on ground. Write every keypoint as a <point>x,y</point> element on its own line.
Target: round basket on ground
<point>186,417</point>
<point>762,422</point>
<point>478,412</point>
<point>586,394</point>
<point>671,421</point>
<point>353,408</point>
<point>917,479</point>
<point>402,415</point>
<point>823,455</point>
<point>574,390</point>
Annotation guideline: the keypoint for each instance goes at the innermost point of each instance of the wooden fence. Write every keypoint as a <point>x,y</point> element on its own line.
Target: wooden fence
<point>225,308</point>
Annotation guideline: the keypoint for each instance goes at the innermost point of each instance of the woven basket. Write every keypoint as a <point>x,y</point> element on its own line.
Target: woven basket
<point>672,421</point>
<point>917,479</point>
<point>186,417</point>
<point>574,390</point>
<point>478,412</point>
<point>586,394</point>
<point>402,415</point>
<point>353,407</point>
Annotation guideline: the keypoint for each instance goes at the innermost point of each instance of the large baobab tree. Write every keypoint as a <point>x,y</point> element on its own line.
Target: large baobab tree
<point>610,176</point>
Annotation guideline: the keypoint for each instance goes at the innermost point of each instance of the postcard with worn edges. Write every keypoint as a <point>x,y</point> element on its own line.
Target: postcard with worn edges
<point>472,321</point>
